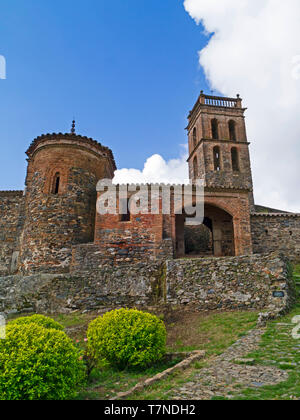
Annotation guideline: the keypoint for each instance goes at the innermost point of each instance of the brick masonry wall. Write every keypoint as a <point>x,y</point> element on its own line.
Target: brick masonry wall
<point>202,115</point>
<point>225,178</point>
<point>12,214</point>
<point>236,204</point>
<point>201,284</point>
<point>276,232</point>
<point>143,235</point>
<point>201,119</point>
<point>138,239</point>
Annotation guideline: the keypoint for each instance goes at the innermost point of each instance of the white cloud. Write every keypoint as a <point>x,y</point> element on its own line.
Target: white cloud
<point>156,170</point>
<point>255,51</point>
<point>2,67</point>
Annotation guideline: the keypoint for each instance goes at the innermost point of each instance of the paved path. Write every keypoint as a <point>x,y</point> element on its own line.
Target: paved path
<point>223,375</point>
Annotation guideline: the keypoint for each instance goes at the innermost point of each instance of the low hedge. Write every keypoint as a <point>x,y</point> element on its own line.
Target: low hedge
<point>39,364</point>
<point>41,320</point>
<point>127,338</point>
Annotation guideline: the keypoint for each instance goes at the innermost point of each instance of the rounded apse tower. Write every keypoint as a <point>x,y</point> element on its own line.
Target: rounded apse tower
<point>63,171</point>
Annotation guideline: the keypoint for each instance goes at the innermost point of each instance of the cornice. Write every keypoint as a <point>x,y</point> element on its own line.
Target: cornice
<point>82,141</point>
<point>290,215</point>
<point>16,193</point>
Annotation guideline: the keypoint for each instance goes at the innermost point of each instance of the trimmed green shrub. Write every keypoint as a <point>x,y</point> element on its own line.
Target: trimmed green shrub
<point>127,338</point>
<point>41,320</point>
<point>39,364</point>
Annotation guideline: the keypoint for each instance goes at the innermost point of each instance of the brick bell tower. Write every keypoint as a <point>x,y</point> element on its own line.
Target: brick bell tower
<point>219,154</point>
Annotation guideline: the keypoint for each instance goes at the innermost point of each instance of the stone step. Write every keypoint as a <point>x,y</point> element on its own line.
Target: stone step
<point>245,361</point>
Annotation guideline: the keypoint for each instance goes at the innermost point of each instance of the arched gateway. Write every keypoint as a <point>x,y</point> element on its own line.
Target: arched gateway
<point>215,237</point>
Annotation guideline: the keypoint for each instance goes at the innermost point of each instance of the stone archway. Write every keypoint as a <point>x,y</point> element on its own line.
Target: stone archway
<point>223,230</point>
<point>215,237</point>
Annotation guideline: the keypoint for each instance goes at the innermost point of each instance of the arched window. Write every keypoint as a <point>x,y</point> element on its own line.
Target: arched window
<point>196,171</point>
<point>217,158</point>
<point>56,184</point>
<point>215,129</point>
<point>232,130</point>
<point>195,137</point>
<point>235,159</point>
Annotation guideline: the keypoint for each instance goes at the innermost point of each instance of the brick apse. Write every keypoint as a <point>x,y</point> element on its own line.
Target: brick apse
<point>53,228</point>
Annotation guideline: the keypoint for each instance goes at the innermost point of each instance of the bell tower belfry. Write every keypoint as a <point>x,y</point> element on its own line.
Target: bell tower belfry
<point>218,145</point>
<point>219,154</point>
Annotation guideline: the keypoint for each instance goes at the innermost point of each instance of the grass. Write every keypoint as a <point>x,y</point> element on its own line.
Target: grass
<point>212,332</point>
<point>297,273</point>
<point>187,331</point>
<point>73,320</point>
<point>278,348</point>
<point>108,382</point>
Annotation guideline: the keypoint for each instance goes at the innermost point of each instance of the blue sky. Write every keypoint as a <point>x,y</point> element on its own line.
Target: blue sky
<point>127,70</point>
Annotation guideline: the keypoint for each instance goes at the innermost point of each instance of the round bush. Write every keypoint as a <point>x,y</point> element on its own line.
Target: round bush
<point>127,338</point>
<point>41,320</point>
<point>39,364</point>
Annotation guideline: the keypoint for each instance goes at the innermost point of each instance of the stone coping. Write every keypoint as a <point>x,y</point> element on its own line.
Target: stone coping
<point>70,137</point>
<point>276,214</point>
<point>9,193</point>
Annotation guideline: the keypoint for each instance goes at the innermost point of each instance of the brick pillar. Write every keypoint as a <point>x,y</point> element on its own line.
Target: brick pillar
<point>180,236</point>
<point>217,238</point>
<point>242,236</point>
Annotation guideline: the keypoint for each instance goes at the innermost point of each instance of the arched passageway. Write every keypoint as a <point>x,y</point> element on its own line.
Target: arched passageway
<point>215,237</point>
<point>198,240</point>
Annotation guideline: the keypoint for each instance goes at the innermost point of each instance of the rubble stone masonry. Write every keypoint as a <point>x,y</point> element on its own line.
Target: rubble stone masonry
<point>272,232</point>
<point>251,282</point>
<point>12,215</point>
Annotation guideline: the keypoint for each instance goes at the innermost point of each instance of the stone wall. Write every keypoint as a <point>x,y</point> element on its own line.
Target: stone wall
<point>276,232</point>
<point>56,222</point>
<point>227,283</point>
<point>202,284</point>
<point>127,285</point>
<point>11,225</point>
<point>92,257</point>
